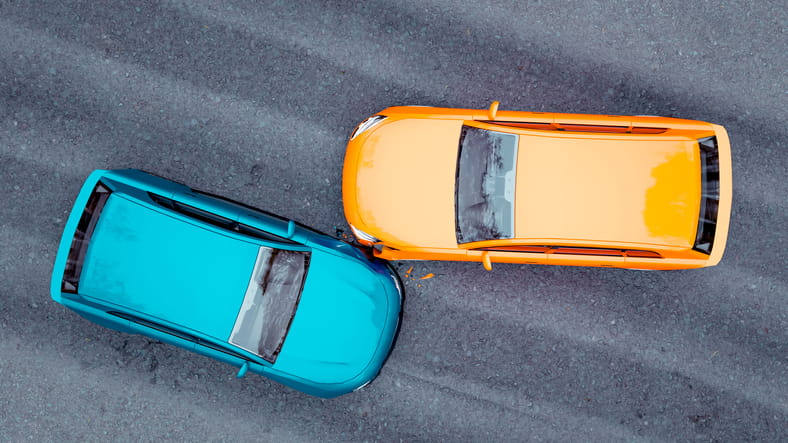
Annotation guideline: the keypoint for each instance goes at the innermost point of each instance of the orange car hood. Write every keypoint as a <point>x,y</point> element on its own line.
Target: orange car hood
<point>636,190</point>
<point>405,182</point>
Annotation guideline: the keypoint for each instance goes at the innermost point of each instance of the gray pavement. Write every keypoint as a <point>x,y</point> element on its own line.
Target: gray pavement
<point>255,100</point>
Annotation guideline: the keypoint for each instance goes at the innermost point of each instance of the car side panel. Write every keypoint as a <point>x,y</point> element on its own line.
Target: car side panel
<point>141,181</point>
<point>214,206</point>
<point>265,222</point>
<point>541,259</point>
<point>544,117</point>
<point>663,264</point>
<point>550,259</point>
<point>163,337</point>
<point>221,356</point>
<point>388,253</point>
<point>97,316</point>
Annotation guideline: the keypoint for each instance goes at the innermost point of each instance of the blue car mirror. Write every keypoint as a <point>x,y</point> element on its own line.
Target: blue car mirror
<point>290,229</point>
<point>242,371</point>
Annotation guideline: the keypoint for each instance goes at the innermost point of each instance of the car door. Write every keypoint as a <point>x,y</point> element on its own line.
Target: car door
<point>527,254</point>
<point>278,229</point>
<point>552,255</point>
<point>157,331</point>
<point>207,208</point>
<point>582,256</point>
<point>227,355</point>
<point>95,313</point>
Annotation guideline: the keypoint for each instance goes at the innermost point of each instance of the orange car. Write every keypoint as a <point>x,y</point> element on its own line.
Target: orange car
<point>422,183</point>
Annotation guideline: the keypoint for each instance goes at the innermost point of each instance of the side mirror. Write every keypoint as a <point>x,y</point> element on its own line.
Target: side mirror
<point>242,371</point>
<point>486,260</point>
<point>290,229</point>
<point>493,110</point>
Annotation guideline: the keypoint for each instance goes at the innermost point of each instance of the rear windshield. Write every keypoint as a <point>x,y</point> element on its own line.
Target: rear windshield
<point>79,244</point>
<point>710,194</point>
<point>484,190</point>
<point>270,302</point>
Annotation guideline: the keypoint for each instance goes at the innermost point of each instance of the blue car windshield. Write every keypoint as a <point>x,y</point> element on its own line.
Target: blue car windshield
<point>270,301</point>
<point>484,190</point>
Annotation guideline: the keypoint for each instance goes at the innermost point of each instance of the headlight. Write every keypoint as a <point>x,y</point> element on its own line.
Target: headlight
<point>363,237</point>
<point>397,283</point>
<point>362,386</point>
<point>367,124</point>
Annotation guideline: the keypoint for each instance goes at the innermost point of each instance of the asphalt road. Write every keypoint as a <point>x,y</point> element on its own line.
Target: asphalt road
<point>256,100</point>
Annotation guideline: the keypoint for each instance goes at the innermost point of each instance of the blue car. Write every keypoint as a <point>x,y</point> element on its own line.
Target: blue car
<point>145,255</point>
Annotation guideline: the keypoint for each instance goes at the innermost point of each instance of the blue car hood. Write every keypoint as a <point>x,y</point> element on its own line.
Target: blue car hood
<point>337,327</point>
<point>156,264</point>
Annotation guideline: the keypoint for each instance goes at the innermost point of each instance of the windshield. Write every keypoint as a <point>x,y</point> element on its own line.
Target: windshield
<point>485,185</point>
<point>79,244</point>
<point>270,301</point>
<point>710,198</point>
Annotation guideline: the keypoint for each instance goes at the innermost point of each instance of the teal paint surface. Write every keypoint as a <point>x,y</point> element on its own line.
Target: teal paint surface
<point>336,329</point>
<point>149,261</point>
<point>156,264</point>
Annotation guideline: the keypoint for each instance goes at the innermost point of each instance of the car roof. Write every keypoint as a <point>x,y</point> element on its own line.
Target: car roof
<point>617,188</point>
<point>582,188</point>
<point>127,266</point>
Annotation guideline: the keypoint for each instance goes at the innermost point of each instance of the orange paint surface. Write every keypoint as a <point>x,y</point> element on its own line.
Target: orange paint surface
<point>620,182</point>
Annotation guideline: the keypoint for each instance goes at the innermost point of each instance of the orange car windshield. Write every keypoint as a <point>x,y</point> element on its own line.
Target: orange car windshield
<point>710,198</point>
<point>484,191</point>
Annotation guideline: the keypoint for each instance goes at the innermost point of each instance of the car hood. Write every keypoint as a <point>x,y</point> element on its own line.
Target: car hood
<point>340,322</point>
<point>404,173</point>
<point>153,263</point>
